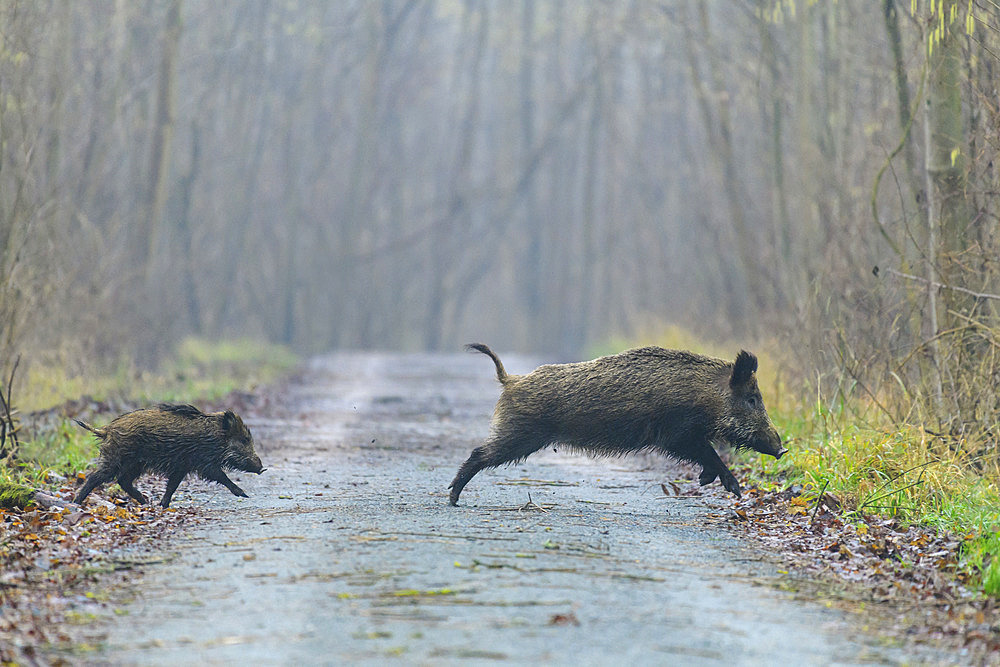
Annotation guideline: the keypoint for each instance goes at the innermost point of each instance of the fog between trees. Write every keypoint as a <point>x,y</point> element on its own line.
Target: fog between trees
<point>540,175</point>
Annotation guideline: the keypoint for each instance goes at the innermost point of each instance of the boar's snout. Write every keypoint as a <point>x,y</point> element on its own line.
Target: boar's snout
<point>772,445</point>
<point>254,465</point>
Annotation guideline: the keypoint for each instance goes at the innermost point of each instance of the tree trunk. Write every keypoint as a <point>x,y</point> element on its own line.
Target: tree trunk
<point>945,153</point>
<point>163,132</point>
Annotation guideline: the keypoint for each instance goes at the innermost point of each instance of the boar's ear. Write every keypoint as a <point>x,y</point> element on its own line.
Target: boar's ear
<point>229,421</point>
<point>743,369</point>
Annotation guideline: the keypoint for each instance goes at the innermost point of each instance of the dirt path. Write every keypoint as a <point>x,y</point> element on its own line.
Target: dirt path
<point>348,551</point>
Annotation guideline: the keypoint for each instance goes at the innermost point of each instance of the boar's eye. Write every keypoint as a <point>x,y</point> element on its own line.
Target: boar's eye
<point>753,402</point>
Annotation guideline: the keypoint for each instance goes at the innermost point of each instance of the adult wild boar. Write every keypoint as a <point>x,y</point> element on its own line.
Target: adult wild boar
<point>171,440</point>
<point>673,402</point>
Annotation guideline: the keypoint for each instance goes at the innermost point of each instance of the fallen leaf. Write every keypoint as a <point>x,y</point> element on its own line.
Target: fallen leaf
<point>564,619</point>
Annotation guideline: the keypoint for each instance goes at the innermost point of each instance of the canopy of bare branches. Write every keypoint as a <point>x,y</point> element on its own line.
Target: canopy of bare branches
<point>541,174</point>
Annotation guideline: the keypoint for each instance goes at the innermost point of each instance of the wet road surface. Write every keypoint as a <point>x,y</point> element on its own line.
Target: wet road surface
<point>348,552</point>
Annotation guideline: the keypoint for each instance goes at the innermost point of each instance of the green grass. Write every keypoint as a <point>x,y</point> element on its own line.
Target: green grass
<point>904,473</point>
<point>64,450</point>
<point>14,495</point>
<point>982,556</point>
<point>200,370</point>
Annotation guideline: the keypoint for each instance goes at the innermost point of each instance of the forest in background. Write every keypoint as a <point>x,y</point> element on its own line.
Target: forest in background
<point>538,174</point>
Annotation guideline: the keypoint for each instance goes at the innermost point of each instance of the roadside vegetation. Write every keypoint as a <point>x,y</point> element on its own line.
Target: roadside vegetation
<point>853,449</point>
<point>906,473</point>
<point>53,554</point>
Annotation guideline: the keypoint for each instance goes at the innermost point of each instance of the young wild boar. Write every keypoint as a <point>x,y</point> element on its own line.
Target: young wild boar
<point>673,402</point>
<point>171,440</point>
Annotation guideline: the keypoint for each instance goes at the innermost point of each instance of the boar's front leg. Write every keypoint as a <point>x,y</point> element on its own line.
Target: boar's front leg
<point>712,467</point>
<point>217,475</point>
<point>175,479</point>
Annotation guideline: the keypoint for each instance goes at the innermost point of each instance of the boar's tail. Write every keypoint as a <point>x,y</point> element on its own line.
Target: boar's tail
<point>99,432</point>
<point>479,347</point>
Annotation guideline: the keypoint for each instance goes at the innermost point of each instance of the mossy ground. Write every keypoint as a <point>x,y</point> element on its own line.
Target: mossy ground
<point>15,495</point>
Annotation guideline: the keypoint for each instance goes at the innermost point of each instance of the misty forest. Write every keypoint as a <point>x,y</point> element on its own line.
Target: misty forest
<point>542,175</point>
<point>353,190</point>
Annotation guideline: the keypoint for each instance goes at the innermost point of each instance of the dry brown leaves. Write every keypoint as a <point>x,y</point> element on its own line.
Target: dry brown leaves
<point>49,561</point>
<point>910,572</point>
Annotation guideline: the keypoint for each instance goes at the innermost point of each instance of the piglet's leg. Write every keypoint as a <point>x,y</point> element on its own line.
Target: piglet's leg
<point>95,479</point>
<point>129,488</point>
<point>173,482</point>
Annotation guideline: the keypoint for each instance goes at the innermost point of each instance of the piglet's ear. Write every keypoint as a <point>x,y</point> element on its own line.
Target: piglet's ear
<point>743,369</point>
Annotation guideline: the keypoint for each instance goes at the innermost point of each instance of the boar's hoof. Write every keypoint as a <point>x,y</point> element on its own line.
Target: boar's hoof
<point>731,485</point>
<point>707,476</point>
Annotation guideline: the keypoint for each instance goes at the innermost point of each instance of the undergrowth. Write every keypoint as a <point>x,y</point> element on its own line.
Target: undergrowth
<point>904,473</point>
<point>848,448</point>
<point>199,368</point>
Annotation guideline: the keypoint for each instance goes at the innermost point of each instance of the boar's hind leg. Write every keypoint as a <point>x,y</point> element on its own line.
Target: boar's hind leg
<point>495,452</point>
<point>95,479</point>
<point>712,467</point>
<point>472,465</point>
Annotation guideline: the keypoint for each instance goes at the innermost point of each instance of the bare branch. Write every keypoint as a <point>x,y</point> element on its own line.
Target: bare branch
<point>935,284</point>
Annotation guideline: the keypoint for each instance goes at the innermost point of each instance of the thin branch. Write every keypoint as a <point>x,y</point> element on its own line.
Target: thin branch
<point>888,161</point>
<point>932,283</point>
<point>819,500</point>
<point>9,427</point>
<point>857,379</point>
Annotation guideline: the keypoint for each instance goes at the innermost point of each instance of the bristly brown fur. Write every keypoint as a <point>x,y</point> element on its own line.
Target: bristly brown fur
<point>171,440</point>
<point>674,402</point>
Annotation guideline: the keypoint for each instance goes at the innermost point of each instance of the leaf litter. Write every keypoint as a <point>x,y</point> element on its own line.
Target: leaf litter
<point>907,575</point>
<point>50,559</point>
